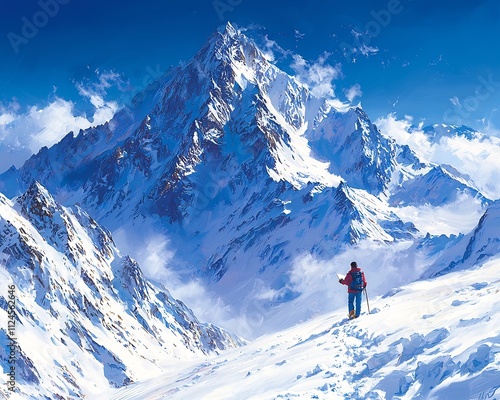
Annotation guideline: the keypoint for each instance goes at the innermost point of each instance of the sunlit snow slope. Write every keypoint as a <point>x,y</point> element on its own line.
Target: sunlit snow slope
<point>434,339</point>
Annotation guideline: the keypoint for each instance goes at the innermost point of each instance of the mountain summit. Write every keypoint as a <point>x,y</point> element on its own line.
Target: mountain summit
<point>241,167</point>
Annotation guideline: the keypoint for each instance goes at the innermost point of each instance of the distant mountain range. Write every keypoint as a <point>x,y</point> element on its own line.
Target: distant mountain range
<point>474,248</point>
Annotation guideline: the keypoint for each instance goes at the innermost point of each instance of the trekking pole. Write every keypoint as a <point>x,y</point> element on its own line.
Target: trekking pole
<point>367,302</point>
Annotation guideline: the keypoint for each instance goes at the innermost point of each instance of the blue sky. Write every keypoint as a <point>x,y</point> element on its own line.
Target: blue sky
<point>438,62</point>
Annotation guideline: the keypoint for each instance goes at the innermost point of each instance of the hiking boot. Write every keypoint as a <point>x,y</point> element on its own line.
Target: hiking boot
<point>352,315</point>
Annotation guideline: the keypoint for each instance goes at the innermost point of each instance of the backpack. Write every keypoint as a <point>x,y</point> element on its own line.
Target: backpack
<point>357,281</point>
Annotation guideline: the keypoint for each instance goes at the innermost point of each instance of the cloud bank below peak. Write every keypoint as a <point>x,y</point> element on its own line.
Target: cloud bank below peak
<point>24,130</point>
<point>477,157</point>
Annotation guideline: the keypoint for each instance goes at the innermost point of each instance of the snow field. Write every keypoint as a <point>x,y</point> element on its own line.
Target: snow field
<point>436,339</point>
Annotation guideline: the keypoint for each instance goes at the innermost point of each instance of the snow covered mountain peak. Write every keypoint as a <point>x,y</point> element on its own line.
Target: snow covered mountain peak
<point>87,316</point>
<point>240,167</point>
<point>228,103</point>
<point>438,131</point>
<point>228,55</point>
<point>356,149</point>
<point>439,184</point>
<point>37,197</point>
<point>227,29</point>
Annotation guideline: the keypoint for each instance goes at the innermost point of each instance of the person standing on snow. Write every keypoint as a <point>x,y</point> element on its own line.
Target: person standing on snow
<point>356,283</point>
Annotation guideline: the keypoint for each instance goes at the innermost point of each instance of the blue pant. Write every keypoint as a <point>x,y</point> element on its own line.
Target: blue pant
<point>357,297</point>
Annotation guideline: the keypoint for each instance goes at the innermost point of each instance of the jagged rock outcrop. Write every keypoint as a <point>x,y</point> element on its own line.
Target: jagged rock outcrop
<point>82,307</point>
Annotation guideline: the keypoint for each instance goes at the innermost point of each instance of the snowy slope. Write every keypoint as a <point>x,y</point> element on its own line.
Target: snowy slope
<point>436,339</point>
<point>478,246</point>
<point>87,317</point>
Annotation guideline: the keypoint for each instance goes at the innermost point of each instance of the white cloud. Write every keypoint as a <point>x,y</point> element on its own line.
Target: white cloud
<point>318,76</point>
<point>269,48</point>
<point>368,50</point>
<point>298,35</point>
<point>154,255</point>
<point>156,258</point>
<point>6,118</point>
<point>8,114</point>
<point>461,216</point>
<point>455,101</point>
<point>353,92</point>
<point>477,158</point>
<point>360,45</point>
<point>339,105</point>
<point>385,266</point>
<point>24,132</point>
<point>404,132</point>
<point>486,126</point>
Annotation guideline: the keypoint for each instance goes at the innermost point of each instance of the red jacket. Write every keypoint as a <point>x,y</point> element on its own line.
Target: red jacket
<point>348,280</point>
